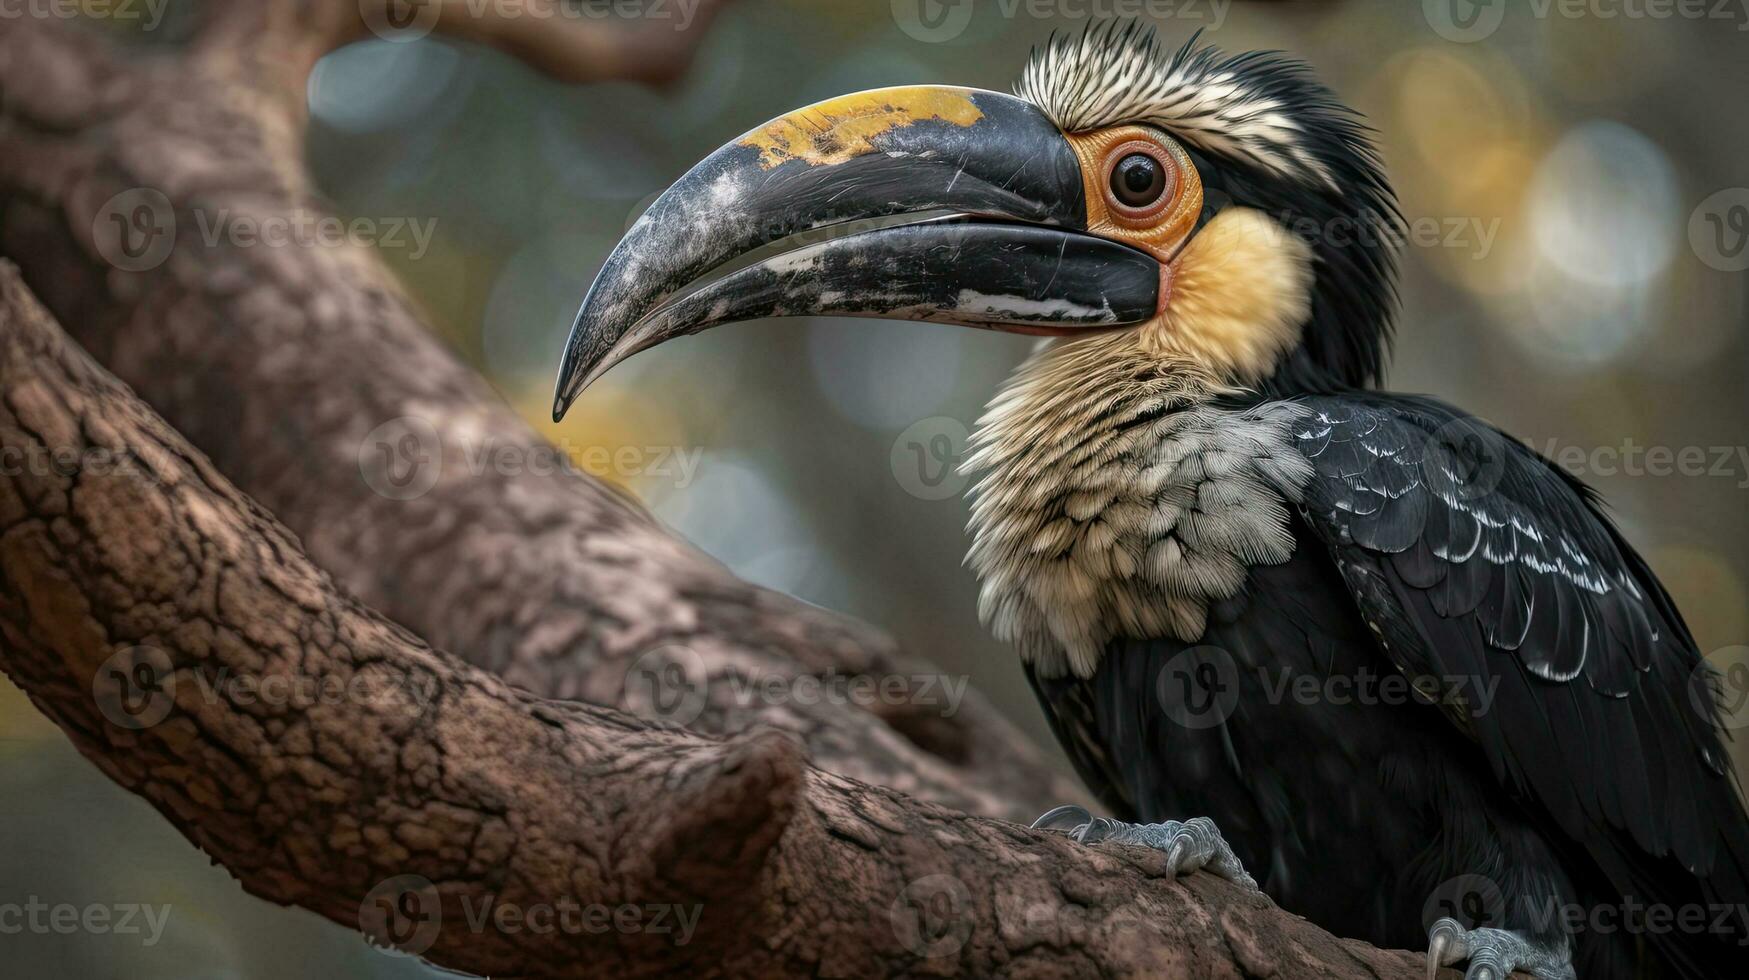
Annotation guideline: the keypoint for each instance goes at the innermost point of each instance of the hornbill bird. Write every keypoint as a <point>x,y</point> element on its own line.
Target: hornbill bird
<point>1425,690</point>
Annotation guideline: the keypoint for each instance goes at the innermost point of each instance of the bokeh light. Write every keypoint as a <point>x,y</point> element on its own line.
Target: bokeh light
<point>376,85</point>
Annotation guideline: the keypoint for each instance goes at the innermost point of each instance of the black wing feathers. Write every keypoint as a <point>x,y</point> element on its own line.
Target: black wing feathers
<point>1476,558</point>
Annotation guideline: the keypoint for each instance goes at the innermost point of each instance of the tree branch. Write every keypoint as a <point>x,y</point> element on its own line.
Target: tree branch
<point>577,42</point>
<point>281,363</point>
<point>391,787</point>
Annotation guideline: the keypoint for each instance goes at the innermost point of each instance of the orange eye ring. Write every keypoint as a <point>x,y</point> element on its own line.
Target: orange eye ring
<point>1131,214</point>
<point>1163,226</point>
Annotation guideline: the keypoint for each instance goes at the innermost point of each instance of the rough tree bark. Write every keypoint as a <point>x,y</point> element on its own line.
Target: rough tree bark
<point>123,549</point>
<point>280,362</point>
<point>276,363</point>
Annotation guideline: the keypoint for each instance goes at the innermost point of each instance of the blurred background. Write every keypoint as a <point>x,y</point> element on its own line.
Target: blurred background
<point>1575,185</point>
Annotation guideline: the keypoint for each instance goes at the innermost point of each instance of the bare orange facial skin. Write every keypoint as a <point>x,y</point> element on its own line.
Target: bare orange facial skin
<point>1160,229</point>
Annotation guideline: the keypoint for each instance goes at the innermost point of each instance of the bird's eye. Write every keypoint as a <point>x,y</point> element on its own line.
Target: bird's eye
<point>1141,181</point>
<point>1138,180</point>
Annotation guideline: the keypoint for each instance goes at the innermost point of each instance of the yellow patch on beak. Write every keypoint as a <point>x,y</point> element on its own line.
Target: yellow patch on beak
<point>1241,292</point>
<point>836,130</point>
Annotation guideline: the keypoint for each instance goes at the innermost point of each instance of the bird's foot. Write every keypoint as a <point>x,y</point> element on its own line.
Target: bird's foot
<point>1493,954</point>
<point>1193,845</point>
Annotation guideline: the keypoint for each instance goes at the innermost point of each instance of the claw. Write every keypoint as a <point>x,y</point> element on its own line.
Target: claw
<point>1066,817</point>
<point>1096,830</point>
<point>1439,945</point>
<point>1193,845</point>
<point>1494,953</point>
<point>1175,856</point>
<point>1435,952</point>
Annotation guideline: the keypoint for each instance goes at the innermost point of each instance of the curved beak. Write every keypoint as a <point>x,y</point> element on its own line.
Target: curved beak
<point>997,213</point>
